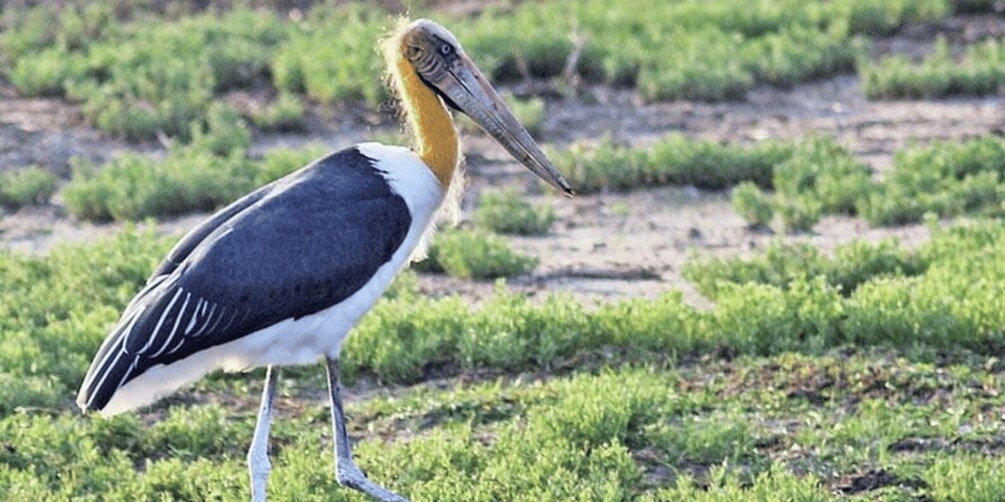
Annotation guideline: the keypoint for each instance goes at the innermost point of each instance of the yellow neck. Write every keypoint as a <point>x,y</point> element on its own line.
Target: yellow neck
<point>431,123</point>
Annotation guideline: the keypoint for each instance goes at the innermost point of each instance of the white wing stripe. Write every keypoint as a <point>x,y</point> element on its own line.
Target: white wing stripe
<point>209,317</point>
<point>104,374</point>
<point>181,341</point>
<point>231,321</point>
<point>125,334</point>
<point>219,318</point>
<point>177,322</point>
<point>195,316</point>
<point>157,328</point>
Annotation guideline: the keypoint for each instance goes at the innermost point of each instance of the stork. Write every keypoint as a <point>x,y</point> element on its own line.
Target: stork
<point>280,276</point>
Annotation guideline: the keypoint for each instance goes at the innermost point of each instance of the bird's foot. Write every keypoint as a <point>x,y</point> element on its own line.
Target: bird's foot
<point>350,476</point>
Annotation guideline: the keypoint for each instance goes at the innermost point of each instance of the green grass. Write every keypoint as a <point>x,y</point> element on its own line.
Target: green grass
<point>675,159</point>
<point>506,212</point>
<point>475,254</point>
<point>781,265</point>
<point>809,372</point>
<point>751,203</point>
<point>801,181</point>
<point>942,178</point>
<point>22,187</point>
<point>207,173</point>
<point>213,169</point>
<point>283,114</point>
<point>980,71</point>
<point>139,73</point>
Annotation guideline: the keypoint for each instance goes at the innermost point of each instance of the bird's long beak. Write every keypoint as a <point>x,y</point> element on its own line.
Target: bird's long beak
<point>467,89</point>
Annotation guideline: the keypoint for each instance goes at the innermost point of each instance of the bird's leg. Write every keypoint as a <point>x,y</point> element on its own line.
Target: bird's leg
<point>345,469</point>
<point>258,454</point>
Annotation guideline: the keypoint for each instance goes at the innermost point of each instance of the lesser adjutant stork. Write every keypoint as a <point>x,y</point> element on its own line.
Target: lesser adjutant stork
<point>281,276</point>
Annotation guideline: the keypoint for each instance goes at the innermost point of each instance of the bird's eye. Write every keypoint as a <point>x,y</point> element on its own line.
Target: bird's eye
<point>446,49</point>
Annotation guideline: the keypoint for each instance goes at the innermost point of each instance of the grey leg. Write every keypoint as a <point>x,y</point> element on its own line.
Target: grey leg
<point>258,454</point>
<point>345,469</point>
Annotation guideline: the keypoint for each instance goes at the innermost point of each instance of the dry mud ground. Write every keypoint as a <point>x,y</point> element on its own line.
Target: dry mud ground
<point>603,246</point>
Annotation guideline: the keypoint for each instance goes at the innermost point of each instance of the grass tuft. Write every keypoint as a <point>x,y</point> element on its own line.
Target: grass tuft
<point>505,212</point>
<point>476,254</point>
<point>22,187</point>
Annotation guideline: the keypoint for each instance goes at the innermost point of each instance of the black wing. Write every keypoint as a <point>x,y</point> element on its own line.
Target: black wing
<point>291,249</point>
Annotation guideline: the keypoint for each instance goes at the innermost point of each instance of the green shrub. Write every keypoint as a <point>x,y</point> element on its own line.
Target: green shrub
<point>881,17</point>
<point>476,254</point>
<point>590,168</point>
<point>981,71</point>
<point>224,133</point>
<point>279,162</point>
<point>505,212</point>
<point>142,77</point>
<point>331,58</point>
<point>714,166</point>
<point>210,172</point>
<point>751,204</point>
<point>798,214</point>
<point>820,176</point>
<point>775,485</point>
<point>966,478</point>
<point>46,72</point>
<point>21,187</point>
<point>284,114</point>
<point>675,159</point>
<point>779,265</point>
<point>943,178</point>
<point>133,186</point>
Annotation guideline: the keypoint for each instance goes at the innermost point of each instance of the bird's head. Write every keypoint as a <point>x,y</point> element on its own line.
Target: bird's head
<point>435,55</point>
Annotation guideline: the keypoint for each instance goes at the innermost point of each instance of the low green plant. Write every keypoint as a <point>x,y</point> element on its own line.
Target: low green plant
<point>138,76</point>
<point>981,71</point>
<point>798,214</point>
<point>283,114</point>
<point>715,166</point>
<point>209,172</point>
<point>224,132</point>
<point>592,167</point>
<point>506,212</point>
<point>674,159</point>
<point>22,187</point>
<point>133,186</point>
<point>819,177</point>
<point>332,58</point>
<point>779,265</point>
<point>881,377</point>
<point>279,162</point>
<point>879,17</point>
<point>942,178</point>
<point>752,204</point>
<point>966,478</point>
<point>476,254</point>
<point>775,485</point>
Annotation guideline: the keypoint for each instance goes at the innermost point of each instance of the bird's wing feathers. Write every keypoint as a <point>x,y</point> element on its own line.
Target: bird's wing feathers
<point>181,250</point>
<point>306,244</point>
